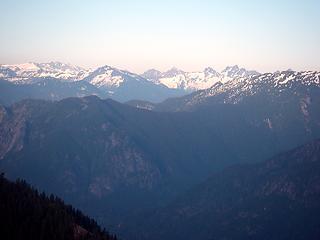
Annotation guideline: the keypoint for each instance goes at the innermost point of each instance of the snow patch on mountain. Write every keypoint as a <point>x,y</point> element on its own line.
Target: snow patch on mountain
<point>109,77</point>
<point>106,79</point>
<point>21,73</point>
<point>237,89</point>
<point>192,81</point>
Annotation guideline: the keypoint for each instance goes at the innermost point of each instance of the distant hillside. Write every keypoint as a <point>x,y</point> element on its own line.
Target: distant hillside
<point>46,88</point>
<point>27,214</point>
<point>276,199</point>
<point>112,160</point>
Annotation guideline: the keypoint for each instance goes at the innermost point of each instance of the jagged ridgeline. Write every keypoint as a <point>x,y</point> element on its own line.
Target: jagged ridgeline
<point>27,214</point>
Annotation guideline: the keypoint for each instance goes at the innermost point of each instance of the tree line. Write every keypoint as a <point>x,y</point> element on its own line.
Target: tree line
<point>27,214</point>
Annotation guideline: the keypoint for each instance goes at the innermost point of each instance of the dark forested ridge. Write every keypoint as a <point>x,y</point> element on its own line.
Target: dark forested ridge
<point>27,214</point>
<point>114,161</point>
<point>278,199</point>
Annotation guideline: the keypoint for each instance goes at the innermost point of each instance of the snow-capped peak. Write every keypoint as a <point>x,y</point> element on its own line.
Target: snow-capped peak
<point>172,72</point>
<point>210,71</point>
<point>109,77</point>
<point>30,66</point>
<point>152,75</point>
<point>270,83</point>
<point>105,77</point>
<point>51,66</point>
<point>176,78</point>
<point>25,71</point>
<point>236,71</point>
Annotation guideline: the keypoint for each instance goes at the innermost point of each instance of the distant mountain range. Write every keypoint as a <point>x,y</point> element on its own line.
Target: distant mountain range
<point>192,81</point>
<point>123,86</point>
<point>120,85</point>
<point>277,86</point>
<point>23,73</point>
<point>119,162</point>
<point>273,84</point>
<point>132,165</point>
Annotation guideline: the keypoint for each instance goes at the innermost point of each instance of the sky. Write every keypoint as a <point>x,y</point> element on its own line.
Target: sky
<point>140,34</point>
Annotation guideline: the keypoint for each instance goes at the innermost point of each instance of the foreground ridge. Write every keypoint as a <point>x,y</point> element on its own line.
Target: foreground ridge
<point>26,214</point>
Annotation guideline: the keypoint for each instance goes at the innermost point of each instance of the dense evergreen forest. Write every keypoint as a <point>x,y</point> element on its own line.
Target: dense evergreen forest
<point>27,214</point>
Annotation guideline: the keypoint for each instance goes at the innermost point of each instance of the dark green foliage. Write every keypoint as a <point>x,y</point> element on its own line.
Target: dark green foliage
<point>26,214</point>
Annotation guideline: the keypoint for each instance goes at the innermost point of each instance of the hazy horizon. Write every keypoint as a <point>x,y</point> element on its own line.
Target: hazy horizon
<point>190,35</point>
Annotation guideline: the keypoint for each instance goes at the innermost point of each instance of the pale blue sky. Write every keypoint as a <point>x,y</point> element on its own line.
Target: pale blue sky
<point>137,35</point>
